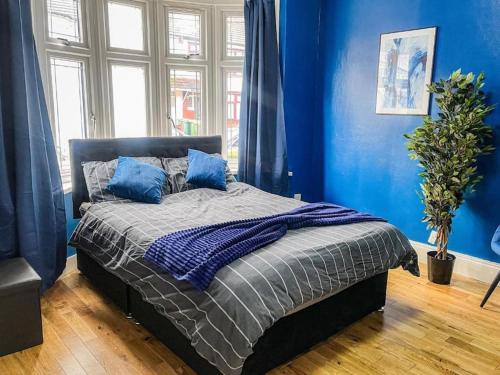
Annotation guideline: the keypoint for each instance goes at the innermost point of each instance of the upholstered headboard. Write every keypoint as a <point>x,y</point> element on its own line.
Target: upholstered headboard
<point>82,150</point>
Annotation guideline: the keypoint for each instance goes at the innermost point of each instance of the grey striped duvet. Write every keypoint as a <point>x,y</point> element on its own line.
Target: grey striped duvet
<point>249,295</point>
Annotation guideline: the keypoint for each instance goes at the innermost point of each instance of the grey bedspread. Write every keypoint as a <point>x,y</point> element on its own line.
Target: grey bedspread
<point>249,295</point>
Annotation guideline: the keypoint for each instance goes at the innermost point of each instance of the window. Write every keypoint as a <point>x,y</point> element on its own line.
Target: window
<point>64,20</point>
<point>185,101</point>
<point>232,78</point>
<point>184,32</point>
<point>129,100</point>
<point>235,36</point>
<point>69,106</point>
<point>126,26</point>
<point>133,68</point>
<point>232,91</point>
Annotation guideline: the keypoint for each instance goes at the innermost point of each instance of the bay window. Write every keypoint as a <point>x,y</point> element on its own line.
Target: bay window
<point>133,68</point>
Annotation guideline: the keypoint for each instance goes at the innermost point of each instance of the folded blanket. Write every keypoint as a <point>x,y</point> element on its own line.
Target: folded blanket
<point>196,254</point>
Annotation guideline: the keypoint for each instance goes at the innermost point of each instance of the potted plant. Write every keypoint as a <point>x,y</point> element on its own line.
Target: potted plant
<point>447,149</point>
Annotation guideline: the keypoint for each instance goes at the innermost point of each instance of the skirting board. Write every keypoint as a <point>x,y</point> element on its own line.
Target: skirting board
<point>465,265</point>
<point>70,265</point>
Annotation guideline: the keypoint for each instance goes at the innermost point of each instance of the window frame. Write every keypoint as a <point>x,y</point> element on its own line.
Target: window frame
<point>186,8</point>
<point>227,12</point>
<point>203,70</point>
<point>144,5</point>
<point>123,56</point>
<point>58,41</point>
<point>223,65</point>
<point>89,123</point>
<point>166,60</point>
<point>90,128</point>
<point>147,88</point>
<point>225,117</point>
<point>86,84</point>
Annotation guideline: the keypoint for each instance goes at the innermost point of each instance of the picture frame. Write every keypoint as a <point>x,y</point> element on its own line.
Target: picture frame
<point>405,69</point>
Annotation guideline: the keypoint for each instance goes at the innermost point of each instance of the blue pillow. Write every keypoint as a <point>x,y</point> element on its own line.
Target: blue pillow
<point>137,181</point>
<point>205,170</point>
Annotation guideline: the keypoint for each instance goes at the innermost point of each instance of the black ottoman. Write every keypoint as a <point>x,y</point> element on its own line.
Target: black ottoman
<point>20,319</point>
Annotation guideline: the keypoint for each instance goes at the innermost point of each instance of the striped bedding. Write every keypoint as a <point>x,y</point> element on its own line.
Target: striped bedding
<point>247,296</point>
<point>197,254</point>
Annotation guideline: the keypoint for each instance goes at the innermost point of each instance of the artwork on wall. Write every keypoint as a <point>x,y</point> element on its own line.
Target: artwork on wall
<point>404,71</point>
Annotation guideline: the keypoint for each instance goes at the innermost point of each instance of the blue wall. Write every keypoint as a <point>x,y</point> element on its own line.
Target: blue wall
<point>299,44</point>
<point>365,160</point>
<point>70,222</point>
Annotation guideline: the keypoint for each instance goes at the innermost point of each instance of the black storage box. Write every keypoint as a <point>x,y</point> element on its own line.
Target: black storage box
<point>20,318</point>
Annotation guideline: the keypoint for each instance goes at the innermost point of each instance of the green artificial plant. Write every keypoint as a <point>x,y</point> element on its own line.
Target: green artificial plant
<point>447,149</point>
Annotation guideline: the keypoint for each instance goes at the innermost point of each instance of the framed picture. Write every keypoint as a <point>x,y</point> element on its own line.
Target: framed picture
<point>404,71</point>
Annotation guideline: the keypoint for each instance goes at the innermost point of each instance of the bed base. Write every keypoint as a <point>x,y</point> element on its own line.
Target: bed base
<point>287,338</point>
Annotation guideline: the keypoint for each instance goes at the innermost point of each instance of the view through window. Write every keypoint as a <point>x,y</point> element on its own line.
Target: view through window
<point>185,101</point>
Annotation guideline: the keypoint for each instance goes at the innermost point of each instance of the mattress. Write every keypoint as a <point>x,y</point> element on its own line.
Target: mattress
<point>246,297</point>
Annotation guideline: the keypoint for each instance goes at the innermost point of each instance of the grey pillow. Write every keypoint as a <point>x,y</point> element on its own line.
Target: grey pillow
<point>98,173</point>
<point>176,169</point>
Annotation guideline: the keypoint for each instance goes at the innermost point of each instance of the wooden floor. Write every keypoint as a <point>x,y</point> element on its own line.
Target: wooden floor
<point>426,329</point>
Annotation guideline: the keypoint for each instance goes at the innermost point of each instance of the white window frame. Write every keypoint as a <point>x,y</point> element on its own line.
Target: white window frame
<point>232,164</point>
<point>88,128</point>
<point>144,5</point>
<point>111,55</point>
<point>188,9</point>
<point>58,41</point>
<point>169,61</point>
<point>95,50</point>
<point>88,118</point>
<point>147,87</point>
<point>228,12</point>
<point>203,130</point>
<point>224,63</point>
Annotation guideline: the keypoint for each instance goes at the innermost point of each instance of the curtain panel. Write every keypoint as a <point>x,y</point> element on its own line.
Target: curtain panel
<point>262,142</point>
<point>32,216</point>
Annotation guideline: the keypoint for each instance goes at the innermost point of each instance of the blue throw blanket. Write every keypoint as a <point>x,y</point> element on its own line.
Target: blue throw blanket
<point>196,254</point>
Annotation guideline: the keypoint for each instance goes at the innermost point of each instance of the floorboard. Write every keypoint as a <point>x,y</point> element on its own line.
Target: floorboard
<point>425,329</point>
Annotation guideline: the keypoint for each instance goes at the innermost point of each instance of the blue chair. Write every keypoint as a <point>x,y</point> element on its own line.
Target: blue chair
<point>495,246</point>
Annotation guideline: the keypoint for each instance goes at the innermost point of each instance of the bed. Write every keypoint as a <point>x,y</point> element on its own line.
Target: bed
<point>260,310</point>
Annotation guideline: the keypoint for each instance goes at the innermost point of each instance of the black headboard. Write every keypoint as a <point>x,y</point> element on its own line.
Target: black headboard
<point>82,150</point>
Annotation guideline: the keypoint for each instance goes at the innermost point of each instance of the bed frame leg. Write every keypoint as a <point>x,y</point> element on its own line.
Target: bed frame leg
<point>381,309</point>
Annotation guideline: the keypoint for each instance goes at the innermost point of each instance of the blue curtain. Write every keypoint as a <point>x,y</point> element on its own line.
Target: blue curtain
<point>262,142</point>
<point>32,217</point>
